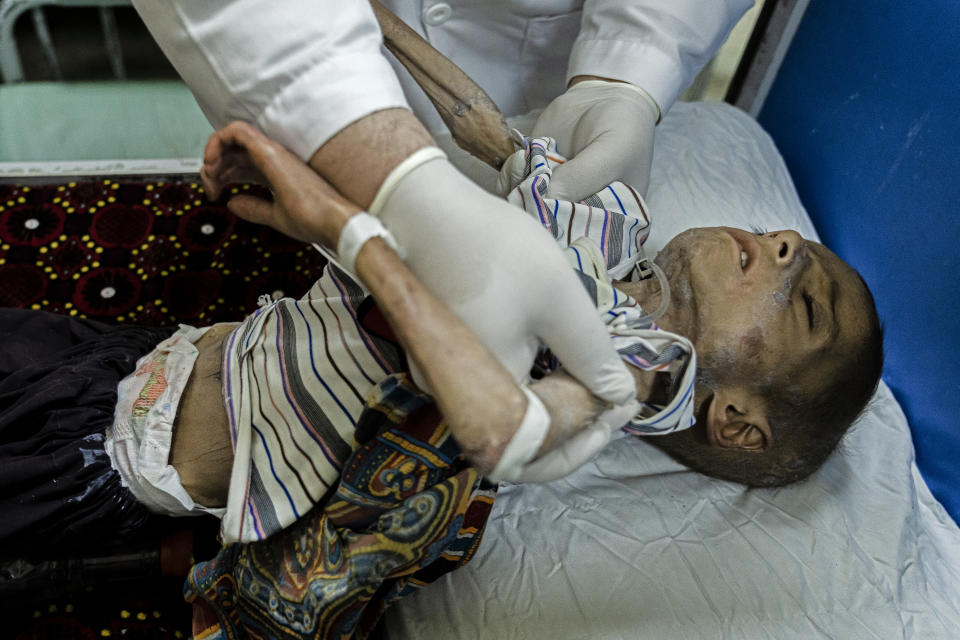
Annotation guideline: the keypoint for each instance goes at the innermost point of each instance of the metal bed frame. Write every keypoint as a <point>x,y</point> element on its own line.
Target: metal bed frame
<point>12,72</point>
<point>11,68</point>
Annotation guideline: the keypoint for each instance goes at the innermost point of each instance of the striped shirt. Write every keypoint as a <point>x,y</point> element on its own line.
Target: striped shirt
<point>296,376</point>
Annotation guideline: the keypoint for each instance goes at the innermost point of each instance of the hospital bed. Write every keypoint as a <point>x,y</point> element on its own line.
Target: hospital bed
<point>635,545</point>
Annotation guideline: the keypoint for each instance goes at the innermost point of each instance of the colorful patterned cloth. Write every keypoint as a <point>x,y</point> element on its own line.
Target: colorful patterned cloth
<point>407,510</point>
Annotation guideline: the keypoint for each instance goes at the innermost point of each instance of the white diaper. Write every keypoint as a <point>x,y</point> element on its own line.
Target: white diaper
<point>139,441</point>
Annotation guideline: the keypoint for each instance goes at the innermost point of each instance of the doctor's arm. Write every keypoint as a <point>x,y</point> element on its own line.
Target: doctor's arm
<point>310,74</point>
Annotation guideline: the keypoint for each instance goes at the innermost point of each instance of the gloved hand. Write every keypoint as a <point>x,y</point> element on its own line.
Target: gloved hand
<point>605,129</point>
<point>499,271</point>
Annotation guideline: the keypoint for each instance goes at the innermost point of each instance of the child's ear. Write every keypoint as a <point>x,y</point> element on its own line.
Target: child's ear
<point>737,419</point>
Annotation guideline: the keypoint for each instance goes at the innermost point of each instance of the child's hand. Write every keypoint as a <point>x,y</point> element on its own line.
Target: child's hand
<point>305,207</point>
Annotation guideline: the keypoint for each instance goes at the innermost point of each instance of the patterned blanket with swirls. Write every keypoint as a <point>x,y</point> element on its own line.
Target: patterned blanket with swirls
<point>407,510</point>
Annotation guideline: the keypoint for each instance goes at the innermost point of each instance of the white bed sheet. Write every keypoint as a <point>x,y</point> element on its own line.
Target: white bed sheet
<point>633,545</point>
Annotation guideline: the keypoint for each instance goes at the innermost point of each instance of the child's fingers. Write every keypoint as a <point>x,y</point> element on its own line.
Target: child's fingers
<point>211,185</point>
<point>253,209</point>
<point>279,167</point>
<point>212,161</point>
<point>241,172</point>
<point>227,148</point>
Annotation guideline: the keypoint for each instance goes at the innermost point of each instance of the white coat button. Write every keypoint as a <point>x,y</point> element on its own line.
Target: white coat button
<point>437,14</point>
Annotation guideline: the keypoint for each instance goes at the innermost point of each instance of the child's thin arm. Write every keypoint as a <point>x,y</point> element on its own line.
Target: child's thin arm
<point>482,403</point>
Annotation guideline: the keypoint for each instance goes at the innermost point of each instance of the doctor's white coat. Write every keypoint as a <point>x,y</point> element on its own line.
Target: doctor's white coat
<point>301,70</point>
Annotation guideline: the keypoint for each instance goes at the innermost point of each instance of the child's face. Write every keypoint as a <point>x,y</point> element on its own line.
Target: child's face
<point>767,308</point>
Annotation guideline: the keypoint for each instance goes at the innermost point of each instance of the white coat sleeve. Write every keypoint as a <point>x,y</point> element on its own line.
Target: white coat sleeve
<point>658,45</point>
<point>300,70</point>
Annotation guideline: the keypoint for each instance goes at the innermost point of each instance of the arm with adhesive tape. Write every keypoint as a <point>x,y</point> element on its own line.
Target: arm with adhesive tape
<point>501,426</point>
<point>479,397</point>
<point>580,426</point>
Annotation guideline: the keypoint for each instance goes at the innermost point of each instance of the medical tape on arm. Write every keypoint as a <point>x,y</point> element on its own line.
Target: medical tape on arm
<point>526,440</point>
<point>580,447</point>
<point>360,228</point>
<point>567,457</point>
<point>400,172</point>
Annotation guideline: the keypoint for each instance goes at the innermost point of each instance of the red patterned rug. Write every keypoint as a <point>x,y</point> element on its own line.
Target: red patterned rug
<point>145,252</point>
<point>130,611</point>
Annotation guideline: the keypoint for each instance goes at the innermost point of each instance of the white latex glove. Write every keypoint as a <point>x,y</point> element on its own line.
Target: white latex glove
<point>500,272</point>
<point>605,129</point>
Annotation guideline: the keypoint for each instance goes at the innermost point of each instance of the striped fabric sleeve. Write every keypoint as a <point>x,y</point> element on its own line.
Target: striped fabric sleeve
<point>616,218</point>
<point>603,236</point>
<point>641,344</point>
<point>297,375</point>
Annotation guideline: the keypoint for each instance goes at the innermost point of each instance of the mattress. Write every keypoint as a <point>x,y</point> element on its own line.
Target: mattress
<point>57,122</point>
<point>634,545</point>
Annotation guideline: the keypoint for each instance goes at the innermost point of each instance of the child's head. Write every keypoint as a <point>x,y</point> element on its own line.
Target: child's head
<point>789,348</point>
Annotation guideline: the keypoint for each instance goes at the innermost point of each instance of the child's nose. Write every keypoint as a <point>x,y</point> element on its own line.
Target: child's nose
<point>785,246</point>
